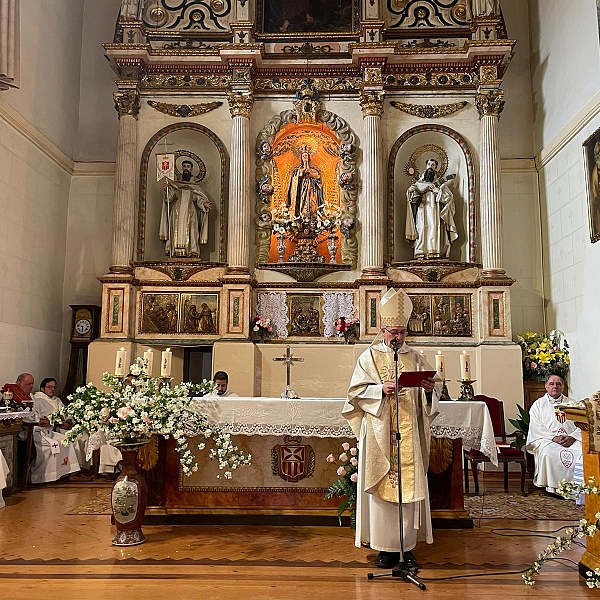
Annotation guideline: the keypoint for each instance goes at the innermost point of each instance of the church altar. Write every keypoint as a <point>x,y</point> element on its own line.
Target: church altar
<point>289,440</point>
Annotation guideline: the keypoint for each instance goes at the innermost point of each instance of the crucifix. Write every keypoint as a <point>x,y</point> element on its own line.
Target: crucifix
<point>288,360</point>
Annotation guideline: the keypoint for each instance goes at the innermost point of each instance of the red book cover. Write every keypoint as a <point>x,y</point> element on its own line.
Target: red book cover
<point>413,378</point>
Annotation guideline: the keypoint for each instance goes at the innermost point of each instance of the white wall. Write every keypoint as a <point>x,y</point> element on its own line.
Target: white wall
<point>565,63</point>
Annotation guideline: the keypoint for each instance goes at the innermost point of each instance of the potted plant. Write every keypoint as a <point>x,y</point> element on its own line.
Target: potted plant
<point>348,328</point>
<point>345,487</point>
<point>261,326</point>
<point>544,354</point>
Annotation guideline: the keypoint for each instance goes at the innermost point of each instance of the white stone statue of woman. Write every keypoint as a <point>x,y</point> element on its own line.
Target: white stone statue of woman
<point>485,8</point>
<point>130,9</point>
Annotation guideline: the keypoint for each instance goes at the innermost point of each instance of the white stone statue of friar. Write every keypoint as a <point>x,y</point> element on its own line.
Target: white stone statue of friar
<point>184,218</point>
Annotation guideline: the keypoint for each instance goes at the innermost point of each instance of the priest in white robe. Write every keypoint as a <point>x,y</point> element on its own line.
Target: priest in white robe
<point>4,471</point>
<point>53,460</point>
<point>430,226</point>
<point>184,219</point>
<point>371,412</point>
<point>554,441</point>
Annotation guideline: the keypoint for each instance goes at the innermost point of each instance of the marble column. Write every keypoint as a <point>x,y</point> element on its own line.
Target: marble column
<point>9,44</point>
<point>240,210</point>
<point>127,105</point>
<point>489,105</point>
<point>371,205</point>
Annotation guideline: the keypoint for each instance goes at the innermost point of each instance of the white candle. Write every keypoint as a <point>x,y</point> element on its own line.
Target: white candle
<point>465,366</point>
<point>165,363</point>
<point>440,359</point>
<point>120,368</point>
<point>149,358</point>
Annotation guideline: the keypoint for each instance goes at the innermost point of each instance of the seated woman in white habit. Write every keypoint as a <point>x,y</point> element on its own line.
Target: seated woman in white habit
<point>554,441</point>
<point>53,460</point>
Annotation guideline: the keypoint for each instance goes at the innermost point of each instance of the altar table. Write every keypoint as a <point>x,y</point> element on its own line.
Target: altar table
<point>279,432</point>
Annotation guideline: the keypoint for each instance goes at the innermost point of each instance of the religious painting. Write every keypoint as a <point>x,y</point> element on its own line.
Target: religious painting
<point>199,313</point>
<point>235,320</point>
<point>451,315</point>
<point>420,318</point>
<point>304,314</point>
<point>302,18</point>
<point>371,320</point>
<point>159,313</point>
<point>591,152</point>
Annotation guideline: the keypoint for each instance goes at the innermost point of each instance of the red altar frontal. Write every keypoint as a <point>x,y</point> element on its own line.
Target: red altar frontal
<point>289,441</point>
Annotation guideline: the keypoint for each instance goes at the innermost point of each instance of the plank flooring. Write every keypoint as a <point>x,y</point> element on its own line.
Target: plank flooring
<point>47,554</point>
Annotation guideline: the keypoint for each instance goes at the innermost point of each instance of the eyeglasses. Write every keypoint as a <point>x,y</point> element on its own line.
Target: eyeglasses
<point>395,333</point>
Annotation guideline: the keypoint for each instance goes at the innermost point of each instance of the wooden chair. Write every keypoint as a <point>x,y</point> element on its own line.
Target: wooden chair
<point>506,454</point>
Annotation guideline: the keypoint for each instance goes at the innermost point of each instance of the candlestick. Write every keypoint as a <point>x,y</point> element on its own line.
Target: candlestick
<point>465,365</point>
<point>149,358</point>
<point>120,368</point>
<point>165,363</point>
<point>440,359</point>
<point>466,390</point>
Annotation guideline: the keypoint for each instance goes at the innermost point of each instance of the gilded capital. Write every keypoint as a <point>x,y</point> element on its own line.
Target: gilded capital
<point>127,103</point>
<point>489,103</point>
<point>240,104</point>
<point>371,103</point>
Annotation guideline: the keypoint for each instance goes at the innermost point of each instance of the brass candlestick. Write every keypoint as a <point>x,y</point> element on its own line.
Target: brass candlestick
<point>445,396</point>
<point>466,390</point>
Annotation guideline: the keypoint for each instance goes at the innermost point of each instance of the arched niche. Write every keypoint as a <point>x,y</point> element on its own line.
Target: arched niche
<point>204,143</point>
<point>460,161</point>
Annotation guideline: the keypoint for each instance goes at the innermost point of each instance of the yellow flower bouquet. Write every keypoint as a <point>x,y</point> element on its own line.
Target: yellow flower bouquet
<point>544,354</point>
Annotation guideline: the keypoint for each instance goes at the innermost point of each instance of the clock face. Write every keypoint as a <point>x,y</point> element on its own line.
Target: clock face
<point>82,326</point>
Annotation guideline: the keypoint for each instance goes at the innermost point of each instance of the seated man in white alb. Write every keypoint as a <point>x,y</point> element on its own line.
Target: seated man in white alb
<point>554,441</point>
<point>221,381</point>
<point>53,460</point>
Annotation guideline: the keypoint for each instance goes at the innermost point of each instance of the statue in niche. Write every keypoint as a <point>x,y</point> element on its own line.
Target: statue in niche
<point>430,226</point>
<point>305,191</point>
<point>184,218</point>
<point>487,8</point>
<point>129,9</point>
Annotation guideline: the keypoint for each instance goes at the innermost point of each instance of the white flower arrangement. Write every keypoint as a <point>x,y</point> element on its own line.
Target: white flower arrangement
<point>146,407</point>
<point>570,490</point>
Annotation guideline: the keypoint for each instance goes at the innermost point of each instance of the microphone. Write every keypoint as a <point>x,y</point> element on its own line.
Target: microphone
<point>394,344</point>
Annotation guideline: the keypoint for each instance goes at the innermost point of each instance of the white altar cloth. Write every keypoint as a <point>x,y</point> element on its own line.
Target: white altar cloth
<point>23,414</point>
<point>322,417</point>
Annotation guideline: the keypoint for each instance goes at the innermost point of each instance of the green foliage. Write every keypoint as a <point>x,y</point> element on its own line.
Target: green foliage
<point>346,486</point>
<point>521,425</point>
<point>544,354</point>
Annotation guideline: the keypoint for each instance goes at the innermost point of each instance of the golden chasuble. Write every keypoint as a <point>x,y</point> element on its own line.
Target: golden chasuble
<point>413,481</point>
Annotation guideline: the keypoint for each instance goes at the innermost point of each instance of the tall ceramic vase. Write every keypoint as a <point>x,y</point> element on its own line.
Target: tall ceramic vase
<point>129,497</point>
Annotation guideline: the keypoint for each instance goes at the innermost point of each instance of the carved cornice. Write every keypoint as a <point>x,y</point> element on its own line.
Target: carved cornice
<point>330,84</point>
<point>429,111</point>
<point>489,103</point>
<point>184,110</point>
<point>184,80</point>
<point>371,102</point>
<point>127,103</point>
<point>240,103</point>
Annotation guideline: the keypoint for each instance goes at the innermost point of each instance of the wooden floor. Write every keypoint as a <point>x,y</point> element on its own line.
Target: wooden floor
<point>47,554</point>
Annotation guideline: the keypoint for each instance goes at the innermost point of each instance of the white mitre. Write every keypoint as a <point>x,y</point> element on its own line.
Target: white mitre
<point>395,308</point>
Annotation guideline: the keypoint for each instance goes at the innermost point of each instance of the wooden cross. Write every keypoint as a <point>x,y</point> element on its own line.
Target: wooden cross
<point>288,359</point>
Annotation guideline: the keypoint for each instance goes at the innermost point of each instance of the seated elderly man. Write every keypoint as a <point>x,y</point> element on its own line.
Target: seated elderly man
<point>221,381</point>
<point>21,390</point>
<point>53,460</point>
<point>554,441</point>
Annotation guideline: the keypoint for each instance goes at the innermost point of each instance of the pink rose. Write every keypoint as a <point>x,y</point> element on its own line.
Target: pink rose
<point>353,451</point>
<point>341,471</point>
<point>353,461</point>
<point>255,328</point>
<point>354,477</point>
<point>346,446</point>
<point>113,420</point>
<point>343,457</point>
<point>534,365</point>
<point>330,458</point>
<point>124,412</point>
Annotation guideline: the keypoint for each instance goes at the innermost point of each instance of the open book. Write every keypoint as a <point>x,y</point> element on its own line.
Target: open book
<point>413,378</point>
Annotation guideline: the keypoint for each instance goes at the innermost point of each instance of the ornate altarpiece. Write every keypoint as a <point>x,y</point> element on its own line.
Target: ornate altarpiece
<point>404,74</point>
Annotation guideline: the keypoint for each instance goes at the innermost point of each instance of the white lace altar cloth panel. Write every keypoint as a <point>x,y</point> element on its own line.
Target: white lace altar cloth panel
<point>469,421</point>
<point>322,417</point>
<point>23,414</point>
<point>272,305</point>
<point>336,305</point>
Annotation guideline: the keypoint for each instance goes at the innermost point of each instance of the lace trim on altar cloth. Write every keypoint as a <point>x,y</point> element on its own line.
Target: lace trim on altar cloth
<point>472,438</point>
<point>320,431</point>
<point>336,305</point>
<point>273,306</point>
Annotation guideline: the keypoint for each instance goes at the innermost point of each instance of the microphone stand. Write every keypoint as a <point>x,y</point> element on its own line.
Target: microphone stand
<point>400,571</point>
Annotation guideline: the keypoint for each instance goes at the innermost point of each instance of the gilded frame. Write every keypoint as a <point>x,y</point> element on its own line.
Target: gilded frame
<point>592,178</point>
